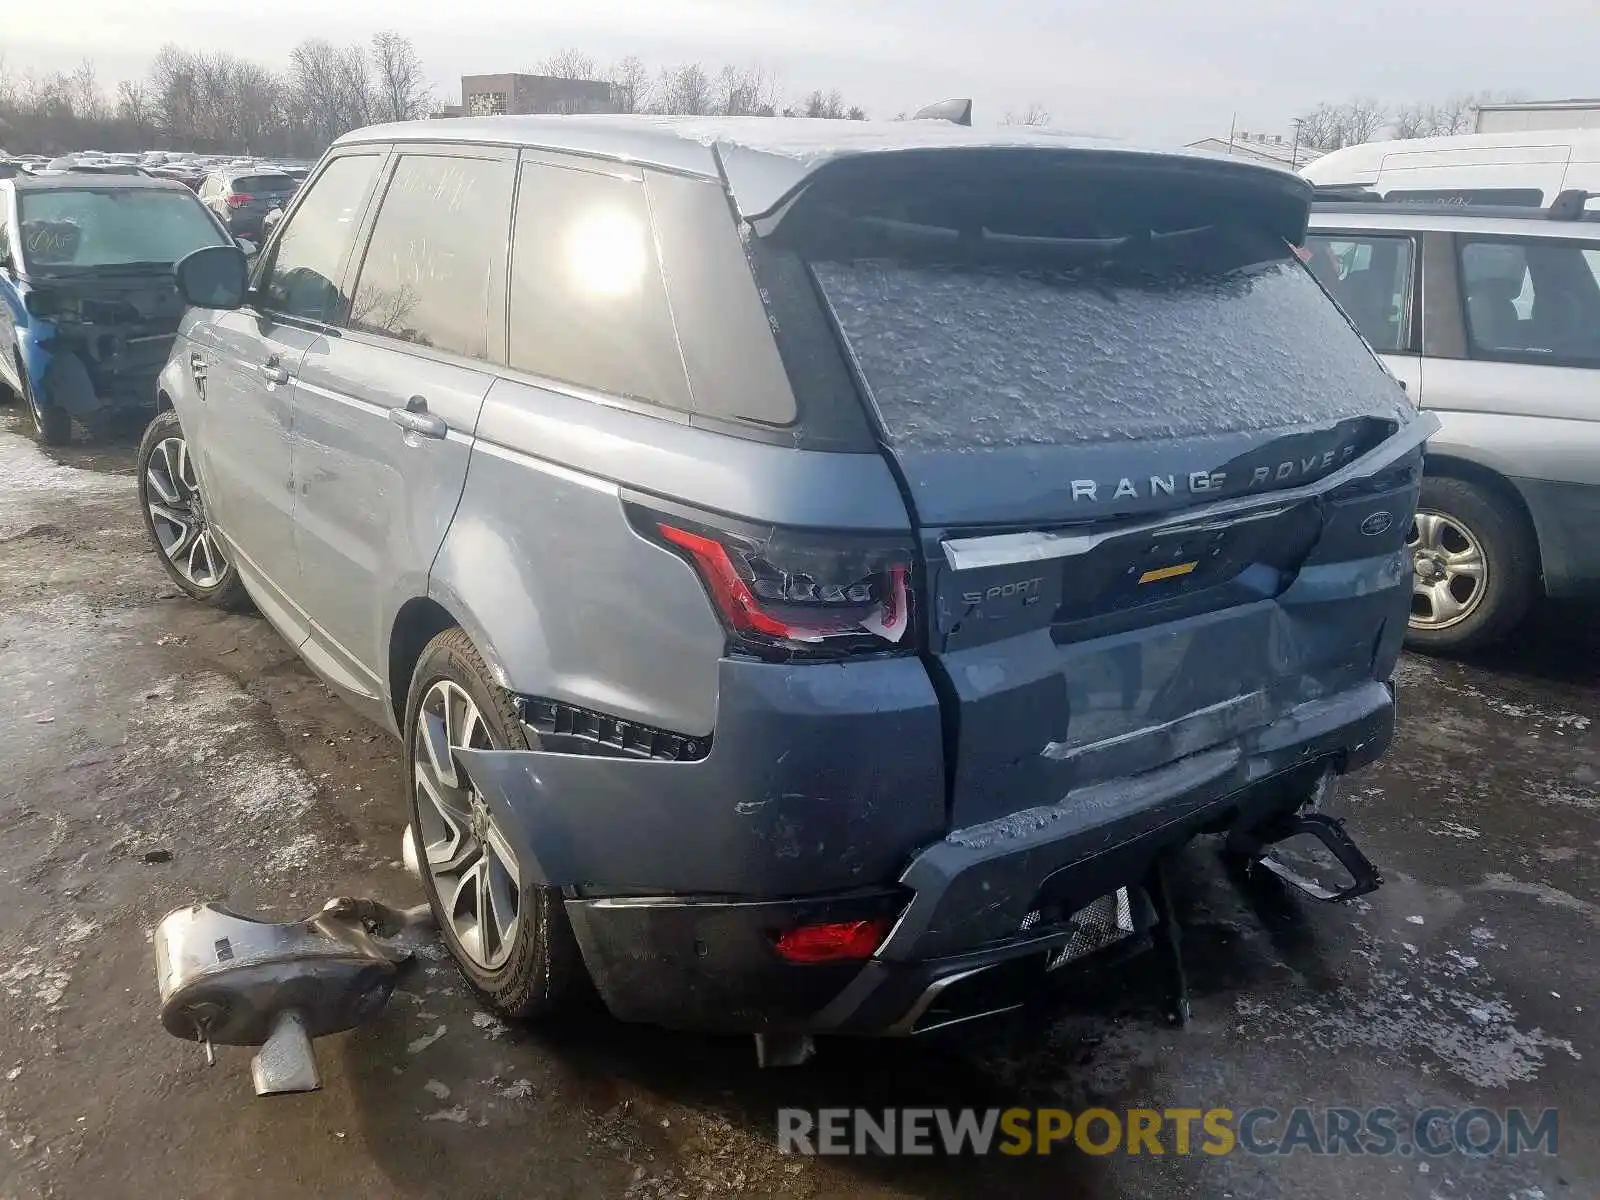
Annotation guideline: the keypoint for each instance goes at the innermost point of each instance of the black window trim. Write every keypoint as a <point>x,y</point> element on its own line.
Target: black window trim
<point>1477,353</point>
<point>269,253</point>
<point>497,356</point>
<point>1415,311</point>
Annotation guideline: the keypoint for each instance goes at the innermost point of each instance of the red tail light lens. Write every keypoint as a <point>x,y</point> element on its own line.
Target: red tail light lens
<point>797,595</point>
<point>838,941</point>
<point>237,199</point>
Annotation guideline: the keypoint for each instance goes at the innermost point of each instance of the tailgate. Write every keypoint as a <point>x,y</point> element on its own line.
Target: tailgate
<point>1161,486</point>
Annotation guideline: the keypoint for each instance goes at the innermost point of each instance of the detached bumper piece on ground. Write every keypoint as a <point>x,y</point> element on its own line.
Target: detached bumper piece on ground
<point>234,981</point>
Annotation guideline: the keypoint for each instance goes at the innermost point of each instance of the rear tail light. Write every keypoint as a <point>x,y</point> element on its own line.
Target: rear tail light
<point>237,199</point>
<point>791,595</point>
<point>835,941</point>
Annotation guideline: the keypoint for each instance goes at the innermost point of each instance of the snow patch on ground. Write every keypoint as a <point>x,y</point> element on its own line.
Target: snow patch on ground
<point>1434,1003</point>
<point>34,486</point>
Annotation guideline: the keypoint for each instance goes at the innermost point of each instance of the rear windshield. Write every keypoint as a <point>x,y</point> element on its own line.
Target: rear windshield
<point>977,338</point>
<point>253,184</point>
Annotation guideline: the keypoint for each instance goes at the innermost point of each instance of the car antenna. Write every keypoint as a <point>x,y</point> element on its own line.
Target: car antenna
<point>1568,205</point>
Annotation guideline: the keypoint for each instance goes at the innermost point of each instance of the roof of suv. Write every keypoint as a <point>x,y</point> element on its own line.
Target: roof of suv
<point>762,157</point>
<point>94,179</point>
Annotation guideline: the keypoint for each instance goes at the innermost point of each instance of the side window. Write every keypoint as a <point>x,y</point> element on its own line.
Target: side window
<point>1371,278</point>
<point>437,254</point>
<point>303,278</point>
<point>1532,300</point>
<point>588,305</point>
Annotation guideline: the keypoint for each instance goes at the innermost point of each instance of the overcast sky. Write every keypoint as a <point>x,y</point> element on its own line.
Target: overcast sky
<point>1150,70</point>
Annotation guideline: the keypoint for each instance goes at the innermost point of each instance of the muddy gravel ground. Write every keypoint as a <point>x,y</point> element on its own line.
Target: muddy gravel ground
<point>135,725</point>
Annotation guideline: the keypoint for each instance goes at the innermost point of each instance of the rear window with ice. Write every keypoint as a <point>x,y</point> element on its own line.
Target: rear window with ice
<point>961,355</point>
<point>253,184</point>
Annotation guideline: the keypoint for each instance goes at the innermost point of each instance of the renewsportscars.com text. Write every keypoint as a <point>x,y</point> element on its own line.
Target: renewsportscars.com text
<point>1178,1131</point>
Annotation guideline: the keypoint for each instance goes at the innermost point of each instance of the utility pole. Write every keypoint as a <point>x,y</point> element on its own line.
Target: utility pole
<point>1294,155</point>
<point>1232,125</point>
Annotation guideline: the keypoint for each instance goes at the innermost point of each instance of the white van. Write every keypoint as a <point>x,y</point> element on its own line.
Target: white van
<point>1524,168</point>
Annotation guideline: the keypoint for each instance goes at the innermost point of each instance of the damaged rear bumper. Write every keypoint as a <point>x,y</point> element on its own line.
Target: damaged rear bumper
<point>674,939</point>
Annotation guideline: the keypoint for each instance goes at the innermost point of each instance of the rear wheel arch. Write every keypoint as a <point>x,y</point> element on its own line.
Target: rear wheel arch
<point>163,401</point>
<point>1493,482</point>
<point>419,621</point>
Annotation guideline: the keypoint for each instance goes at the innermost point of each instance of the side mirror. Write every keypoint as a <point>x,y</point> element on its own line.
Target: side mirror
<point>249,248</point>
<point>213,277</point>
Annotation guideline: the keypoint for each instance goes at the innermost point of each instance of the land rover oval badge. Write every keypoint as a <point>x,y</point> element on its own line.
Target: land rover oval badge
<point>1377,523</point>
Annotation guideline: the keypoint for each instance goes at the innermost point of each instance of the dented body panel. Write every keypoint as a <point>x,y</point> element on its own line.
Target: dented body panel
<point>91,308</point>
<point>936,598</point>
<point>104,343</point>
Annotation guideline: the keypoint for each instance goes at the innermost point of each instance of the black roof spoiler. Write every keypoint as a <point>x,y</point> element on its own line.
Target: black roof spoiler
<point>957,111</point>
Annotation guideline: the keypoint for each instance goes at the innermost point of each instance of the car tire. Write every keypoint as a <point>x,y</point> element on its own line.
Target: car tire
<point>169,495</point>
<point>1475,567</point>
<point>538,970</point>
<point>53,425</point>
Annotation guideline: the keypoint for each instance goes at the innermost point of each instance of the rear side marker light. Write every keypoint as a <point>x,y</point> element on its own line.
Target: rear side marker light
<point>789,594</point>
<point>836,941</point>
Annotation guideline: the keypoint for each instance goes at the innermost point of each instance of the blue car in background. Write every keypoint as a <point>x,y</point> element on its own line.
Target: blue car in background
<point>88,304</point>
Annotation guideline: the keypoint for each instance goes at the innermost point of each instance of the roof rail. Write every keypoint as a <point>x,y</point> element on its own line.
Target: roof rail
<point>1568,205</point>
<point>1337,192</point>
<point>957,111</point>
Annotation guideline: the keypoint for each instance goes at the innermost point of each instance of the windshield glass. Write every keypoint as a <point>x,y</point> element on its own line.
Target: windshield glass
<point>84,228</point>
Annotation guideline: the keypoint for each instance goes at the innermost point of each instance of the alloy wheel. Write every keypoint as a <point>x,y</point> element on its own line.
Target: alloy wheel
<point>178,514</point>
<point>474,870</point>
<point>1450,571</point>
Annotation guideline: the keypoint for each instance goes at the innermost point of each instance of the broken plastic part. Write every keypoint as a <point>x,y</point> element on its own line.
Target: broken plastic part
<point>231,980</point>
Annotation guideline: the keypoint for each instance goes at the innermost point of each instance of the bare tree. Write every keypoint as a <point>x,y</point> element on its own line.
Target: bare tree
<point>685,91</point>
<point>1416,120</point>
<point>856,113</point>
<point>1364,116</point>
<point>569,63</point>
<point>1333,126</point>
<point>630,85</point>
<point>745,92</point>
<point>402,91</point>
<point>1034,114</point>
<point>828,105</point>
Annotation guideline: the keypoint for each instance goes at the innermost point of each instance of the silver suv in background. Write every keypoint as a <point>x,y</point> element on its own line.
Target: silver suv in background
<point>1491,318</point>
<point>818,574</point>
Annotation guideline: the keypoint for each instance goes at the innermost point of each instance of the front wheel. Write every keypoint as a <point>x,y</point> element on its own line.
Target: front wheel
<point>54,425</point>
<point>1474,567</point>
<point>175,517</point>
<point>509,936</point>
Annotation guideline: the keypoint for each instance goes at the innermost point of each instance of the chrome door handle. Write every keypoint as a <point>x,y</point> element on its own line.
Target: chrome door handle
<point>272,372</point>
<point>415,418</point>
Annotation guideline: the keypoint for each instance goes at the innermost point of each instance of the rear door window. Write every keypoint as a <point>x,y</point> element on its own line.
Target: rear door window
<point>307,266</point>
<point>1534,300</point>
<point>588,303</point>
<point>1371,278</point>
<point>437,253</point>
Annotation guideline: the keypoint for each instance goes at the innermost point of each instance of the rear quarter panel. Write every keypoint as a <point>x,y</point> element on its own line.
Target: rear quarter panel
<point>544,571</point>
